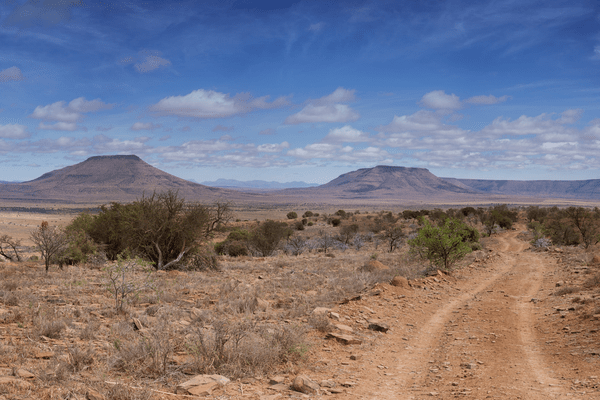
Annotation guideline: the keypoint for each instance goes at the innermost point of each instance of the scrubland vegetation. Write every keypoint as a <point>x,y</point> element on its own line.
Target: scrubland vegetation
<point>160,288</point>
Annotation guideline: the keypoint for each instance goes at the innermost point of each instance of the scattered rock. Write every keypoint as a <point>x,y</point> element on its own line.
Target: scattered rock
<point>378,326</point>
<point>334,315</point>
<point>13,380</point>
<point>468,365</point>
<point>355,357</point>
<point>44,354</point>
<point>276,380</point>
<point>560,283</point>
<point>137,325</point>
<point>345,339</point>
<point>23,373</point>
<point>305,385</point>
<point>596,259</point>
<point>329,383</point>
<point>202,385</point>
<point>280,387</point>
<point>321,310</point>
<point>343,328</point>
<point>400,281</point>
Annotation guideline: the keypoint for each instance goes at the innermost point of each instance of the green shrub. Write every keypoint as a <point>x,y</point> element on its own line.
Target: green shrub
<point>444,245</point>
<point>292,215</point>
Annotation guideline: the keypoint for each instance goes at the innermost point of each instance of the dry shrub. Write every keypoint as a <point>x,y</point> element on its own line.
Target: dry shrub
<point>238,349</point>
<point>146,355</point>
<point>320,322</point>
<point>565,290</point>
<point>77,359</point>
<point>47,323</point>
<point>593,282</point>
<point>11,285</point>
<point>123,392</point>
<point>90,331</point>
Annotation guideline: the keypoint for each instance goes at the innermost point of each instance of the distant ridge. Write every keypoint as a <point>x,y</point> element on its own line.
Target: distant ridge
<point>583,189</point>
<point>256,184</point>
<point>109,178</point>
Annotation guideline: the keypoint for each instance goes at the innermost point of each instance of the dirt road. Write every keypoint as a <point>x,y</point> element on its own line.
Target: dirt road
<point>480,339</point>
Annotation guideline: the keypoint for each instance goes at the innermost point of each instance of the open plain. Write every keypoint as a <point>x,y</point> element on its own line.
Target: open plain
<point>509,323</point>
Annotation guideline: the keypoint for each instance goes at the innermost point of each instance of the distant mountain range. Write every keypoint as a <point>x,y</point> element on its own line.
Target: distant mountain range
<point>103,179</point>
<point>256,184</point>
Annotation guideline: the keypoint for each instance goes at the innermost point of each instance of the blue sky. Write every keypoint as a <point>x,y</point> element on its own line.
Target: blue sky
<point>303,90</point>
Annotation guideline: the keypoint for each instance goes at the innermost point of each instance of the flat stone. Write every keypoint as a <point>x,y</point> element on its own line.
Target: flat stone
<point>344,328</point>
<point>280,387</point>
<point>376,325</point>
<point>276,379</point>
<point>344,339</point>
<point>304,384</point>
<point>201,384</point>
<point>23,373</point>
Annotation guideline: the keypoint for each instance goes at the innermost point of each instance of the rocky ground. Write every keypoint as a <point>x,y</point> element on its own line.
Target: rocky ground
<point>513,324</point>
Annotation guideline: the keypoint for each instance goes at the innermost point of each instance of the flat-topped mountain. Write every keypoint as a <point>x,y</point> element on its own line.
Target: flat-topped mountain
<point>386,182</point>
<point>108,178</point>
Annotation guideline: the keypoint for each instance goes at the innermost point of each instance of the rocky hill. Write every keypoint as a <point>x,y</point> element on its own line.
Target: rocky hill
<point>386,182</point>
<point>109,178</point>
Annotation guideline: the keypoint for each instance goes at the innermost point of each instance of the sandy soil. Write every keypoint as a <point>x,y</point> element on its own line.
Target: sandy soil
<point>484,334</point>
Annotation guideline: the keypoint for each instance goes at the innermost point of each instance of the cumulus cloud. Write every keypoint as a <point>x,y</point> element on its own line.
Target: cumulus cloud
<point>491,99</point>
<point>210,104</point>
<point>272,148</point>
<point>67,115</point>
<point>144,126</point>
<point>326,113</point>
<point>439,100</point>
<point>13,131</point>
<point>346,134</point>
<point>11,74</point>
<point>327,109</point>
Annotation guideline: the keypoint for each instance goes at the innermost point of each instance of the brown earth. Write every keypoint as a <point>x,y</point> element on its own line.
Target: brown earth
<point>492,331</point>
<point>512,324</point>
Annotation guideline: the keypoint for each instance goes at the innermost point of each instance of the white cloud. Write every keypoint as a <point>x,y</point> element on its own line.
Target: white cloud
<point>325,113</point>
<point>486,99</point>
<point>67,115</point>
<point>339,95</point>
<point>439,100</point>
<point>11,74</point>
<point>346,134</point>
<point>150,63</point>
<point>327,109</point>
<point>14,131</point>
<point>272,148</point>
<point>210,104</point>
<point>144,126</point>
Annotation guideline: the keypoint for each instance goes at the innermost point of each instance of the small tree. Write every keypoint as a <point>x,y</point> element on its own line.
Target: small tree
<point>586,223</point>
<point>292,215</point>
<point>121,281</point>
<point>393,235</point>
<point>51,241</point>
<point>443,246</point>
<point>9,245</point>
